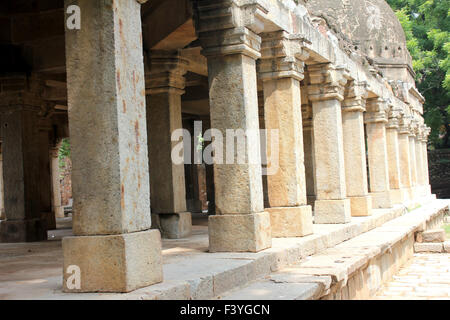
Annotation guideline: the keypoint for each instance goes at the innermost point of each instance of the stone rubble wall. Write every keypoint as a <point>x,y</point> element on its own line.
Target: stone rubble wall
<point>439,167</point>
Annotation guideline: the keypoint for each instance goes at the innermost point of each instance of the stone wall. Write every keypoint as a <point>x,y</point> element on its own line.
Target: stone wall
<point>439,167</point>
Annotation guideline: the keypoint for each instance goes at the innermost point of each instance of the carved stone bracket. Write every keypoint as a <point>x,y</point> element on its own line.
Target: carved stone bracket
<point>327,82</point>
<point>377,110</point>
<point>355,97</point>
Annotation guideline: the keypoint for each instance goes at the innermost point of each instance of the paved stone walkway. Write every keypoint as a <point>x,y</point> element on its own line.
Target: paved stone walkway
<point>426,277</point>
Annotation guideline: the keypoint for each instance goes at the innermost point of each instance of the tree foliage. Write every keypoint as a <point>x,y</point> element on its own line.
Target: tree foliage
<point>427,28</point>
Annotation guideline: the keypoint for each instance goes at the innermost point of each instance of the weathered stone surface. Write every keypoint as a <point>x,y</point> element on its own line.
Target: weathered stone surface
<point>173,226</point>
<point>114,263</point>
<point>291,221</point>
<point>447,246</point>
<point>29,230</point>
<point>361,206</point>
<point>332,211</point>
<point>436,235</point>
<point>108,131</point>
<point>428,247</point>
<point>240,232</point>
<point>381,199</point>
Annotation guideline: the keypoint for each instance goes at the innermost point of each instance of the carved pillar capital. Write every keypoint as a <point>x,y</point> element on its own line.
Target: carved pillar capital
<point>230,27</point>
<point>355,97</point>
<point>327,82</point>
<point>394,115</point>
<point>282,56</point>
<point>377,111</point>
<point>167,70</point>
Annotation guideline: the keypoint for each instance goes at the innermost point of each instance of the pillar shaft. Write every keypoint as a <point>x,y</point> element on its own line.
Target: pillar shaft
<point>286,185</point>
<point>419,161</point>
<point>326,93</point>
<point>405,160</point>
<point>108,134</point>
<point>376,119</point>
<point>393,153</point>
<point>2,202</point>
<point>56,184</point>
<point>355,150</point>
<point>412,153</point>
<point>240,223</point>
<point>167,179</point>
<point>20,148</point>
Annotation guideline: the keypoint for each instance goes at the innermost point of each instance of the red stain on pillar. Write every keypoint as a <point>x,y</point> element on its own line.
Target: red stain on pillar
<point>122,197</point>
<point>136,129</point>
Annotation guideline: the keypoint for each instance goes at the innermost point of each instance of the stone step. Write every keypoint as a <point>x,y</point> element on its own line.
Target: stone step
<point>355,268</point>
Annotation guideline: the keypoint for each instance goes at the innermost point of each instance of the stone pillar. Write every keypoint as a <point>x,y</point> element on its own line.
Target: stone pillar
<point>326,92</point>
<point>2,202</point>
<point>426,174</point>
<point>405,159</point>
<point>45,179</point>
<point>240,223</point>
<point>353,108</point>
<point>419,163</point>
<point>114,248</point>
<point>376,119</point>
<point>393,153</point>
<point>20,149</point>
<point>281,71</point>
<point>308,146</point>
<point>58,209</point>
<point>167,180</point>
<point>412,153</point>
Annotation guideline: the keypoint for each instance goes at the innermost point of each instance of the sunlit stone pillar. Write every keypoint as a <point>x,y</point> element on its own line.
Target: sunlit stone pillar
<point>20,150</point>
<point>281,71</point>
<point>326,92</point>
<point>376,119</point>
<point>412,153</point>
<point>167,180</point>
<point>58,209</point>
<point>405,159</point>
<point>114,248</point>
<point>355,149</point>
<point>419,163</point>
<point>240,223</point>
<point>426,174</point>
<point>393,153</point>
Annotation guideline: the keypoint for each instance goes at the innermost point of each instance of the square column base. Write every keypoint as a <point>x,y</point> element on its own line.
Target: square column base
<point>396,196</point>
<point>332,211</point>
<point>289,222</point>
<point>239,232</point>
<point>173,225</point>
<point>112,263</point>
<point>381,200</point>
<point>14,231</point>
<point>361,206</point>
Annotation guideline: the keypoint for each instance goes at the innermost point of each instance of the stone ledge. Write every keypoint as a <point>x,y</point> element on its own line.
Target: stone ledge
<point>197,274</point>
<point>429,247</point>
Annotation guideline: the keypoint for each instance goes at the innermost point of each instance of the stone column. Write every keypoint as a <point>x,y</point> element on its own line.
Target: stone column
<point>412,153</point>
<point>240,223</point>
<point>2,202</point>
<point>308,145</point>
<point>376,119</point>
<point>167,180</point>
<point>45,179</point>
<point>281,71</point>
<point>405,159</point>
<point>426,174</point>
<point>353,108</point>
<point>326,92</point>
<point>20,149</point>
<point>58,209</point>
<point>113,248</point>
<point>393,153</point>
